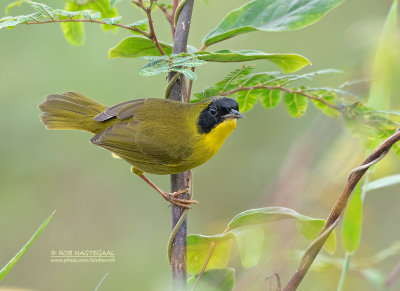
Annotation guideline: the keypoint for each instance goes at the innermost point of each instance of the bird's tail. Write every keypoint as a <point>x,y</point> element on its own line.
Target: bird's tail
<point>71,110</point>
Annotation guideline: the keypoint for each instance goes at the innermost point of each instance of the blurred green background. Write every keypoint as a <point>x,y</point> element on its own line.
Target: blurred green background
<point>270,160</point>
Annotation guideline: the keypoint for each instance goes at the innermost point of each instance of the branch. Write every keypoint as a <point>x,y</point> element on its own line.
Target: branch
<point>300,92</point>
<point>338,209</point>
<point>153,35</point>
<point>168,16</point>
<point>132,28</point>
<point>180,181</point>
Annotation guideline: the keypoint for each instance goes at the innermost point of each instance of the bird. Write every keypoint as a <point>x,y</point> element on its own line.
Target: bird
<point>156,136</point>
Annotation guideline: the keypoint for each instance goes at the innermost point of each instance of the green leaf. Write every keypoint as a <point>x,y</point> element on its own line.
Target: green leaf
<point>296,104</point>
<point>141,24</point>
<point>386,64</point>
<point>13,5</point>
<point>14,260</point>
<point>309,227</point>
<point>198,247</point>
<point>73,31</point>
<point>287,62</point>
<point>270,15</point>
<point>215,280</point>
<point>331,112</point>
<point>206,93</point>
<point>187,72</point>
<point>271,98</point>
<point>41,7</point>
<point>369,125</point>
<point>383,182</point>
<point>250,242</point>
<point>11,21</point>
<point>311,230</point>
<point>113,2</point>
<point>113,20</point>
<point>352,222</point>
<point>165,64</point>
<point>246,100</point>
<point>106,11</point>
<point>134,47</point>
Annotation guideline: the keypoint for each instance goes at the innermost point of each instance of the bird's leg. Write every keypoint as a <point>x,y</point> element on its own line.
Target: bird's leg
<point>171,197</point>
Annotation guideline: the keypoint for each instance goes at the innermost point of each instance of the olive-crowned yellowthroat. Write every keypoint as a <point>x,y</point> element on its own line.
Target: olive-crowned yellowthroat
<point>157,136</point>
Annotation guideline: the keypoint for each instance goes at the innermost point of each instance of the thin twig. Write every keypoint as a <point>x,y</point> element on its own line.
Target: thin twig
<point>300,92</point>
<point>132,28</point>
<point>339,208</point>
<point>153,35</point>
<point>169,18</point>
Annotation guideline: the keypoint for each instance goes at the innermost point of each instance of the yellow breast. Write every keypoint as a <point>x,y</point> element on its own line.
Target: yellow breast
<point>205,145</point>
<point>216,137</point>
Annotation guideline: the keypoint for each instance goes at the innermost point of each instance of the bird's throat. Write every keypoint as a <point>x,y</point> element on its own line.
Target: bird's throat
<point>216,137</point>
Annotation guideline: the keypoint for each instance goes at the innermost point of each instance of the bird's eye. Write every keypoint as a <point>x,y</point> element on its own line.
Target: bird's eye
<point>213,111</point>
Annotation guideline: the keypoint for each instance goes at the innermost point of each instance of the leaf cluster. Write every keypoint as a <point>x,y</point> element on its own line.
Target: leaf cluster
<point>245,229</point>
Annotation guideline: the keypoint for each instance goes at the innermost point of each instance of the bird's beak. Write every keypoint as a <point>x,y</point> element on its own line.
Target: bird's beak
<point>234,114</point>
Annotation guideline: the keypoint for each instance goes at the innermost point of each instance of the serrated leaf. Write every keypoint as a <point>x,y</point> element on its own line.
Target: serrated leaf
<point>41,7</point>
<point>9,22</point>
<point>187,72</point>
<point>134,47</point>
<point>164,64</point>
<point>352,222</point>
<point>106,11</point>
<point>198,247</point>
<point>73,31</point>
<point>270,15</point>
<point>92,15</point>
<point>141,24</point>
<point>206,93</point>
<point>113,20</point>
<point>250,242</point>
<point>271,98</point>
<point>215,280</point>
<point>383,182</point>
<point>309,226</point>
<point>287,62</point>
<point>65,13</point>
<point>296,104</point>
<point>14,260</point>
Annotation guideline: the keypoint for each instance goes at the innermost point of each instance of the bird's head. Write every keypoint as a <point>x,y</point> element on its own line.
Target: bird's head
<point>218,110</point>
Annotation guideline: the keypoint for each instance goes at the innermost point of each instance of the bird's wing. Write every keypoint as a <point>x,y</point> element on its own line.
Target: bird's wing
<point>130,143</point>
<point>122,111</point>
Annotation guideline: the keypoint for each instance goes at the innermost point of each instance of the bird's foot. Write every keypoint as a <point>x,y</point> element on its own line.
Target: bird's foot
<point>172,198</point>
<point>179,192</point>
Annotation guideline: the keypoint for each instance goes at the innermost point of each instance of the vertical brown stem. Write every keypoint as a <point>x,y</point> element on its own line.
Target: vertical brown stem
<point>180,181</point>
